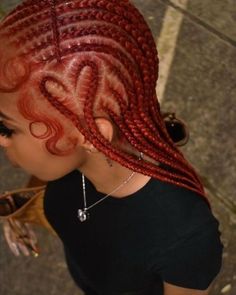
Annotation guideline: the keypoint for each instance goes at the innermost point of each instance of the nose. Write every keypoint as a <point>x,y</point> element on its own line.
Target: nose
<point>4,141</point>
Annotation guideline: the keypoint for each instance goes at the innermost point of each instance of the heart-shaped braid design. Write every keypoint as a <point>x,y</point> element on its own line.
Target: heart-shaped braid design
<point>81,59</point>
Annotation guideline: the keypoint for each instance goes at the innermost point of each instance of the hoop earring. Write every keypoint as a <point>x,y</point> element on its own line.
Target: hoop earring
<point>176,129</point>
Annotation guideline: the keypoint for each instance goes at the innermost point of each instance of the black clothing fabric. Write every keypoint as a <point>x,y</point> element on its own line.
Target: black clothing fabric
<point>130,246</point>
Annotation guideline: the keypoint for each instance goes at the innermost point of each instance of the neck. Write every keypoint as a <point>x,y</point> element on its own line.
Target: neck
<point>106,178</point>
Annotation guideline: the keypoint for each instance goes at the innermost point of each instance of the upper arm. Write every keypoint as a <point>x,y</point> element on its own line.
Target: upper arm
<point>193,264</point>
<point>170,289</point>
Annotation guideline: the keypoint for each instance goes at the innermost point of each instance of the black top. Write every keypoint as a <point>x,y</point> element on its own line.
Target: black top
<point>129,246</point>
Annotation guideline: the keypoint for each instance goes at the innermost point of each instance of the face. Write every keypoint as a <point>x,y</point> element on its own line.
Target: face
<point>30,153</point>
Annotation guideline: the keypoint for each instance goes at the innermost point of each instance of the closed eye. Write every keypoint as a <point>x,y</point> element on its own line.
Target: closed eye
<point>4,131</point>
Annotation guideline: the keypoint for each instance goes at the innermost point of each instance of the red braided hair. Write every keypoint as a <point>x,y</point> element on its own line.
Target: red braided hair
<point>87,58</point>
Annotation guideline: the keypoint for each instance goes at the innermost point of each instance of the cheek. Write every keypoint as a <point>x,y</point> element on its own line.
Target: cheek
<point>27,150</point>
<point>4,141</point>
<point>32,156</point>
<point>34,160</point>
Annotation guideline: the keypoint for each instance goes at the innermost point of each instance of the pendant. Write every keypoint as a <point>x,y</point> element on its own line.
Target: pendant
<point>83,215</point>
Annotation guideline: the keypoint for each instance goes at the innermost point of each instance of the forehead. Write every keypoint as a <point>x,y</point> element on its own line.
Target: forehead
<point>8,106</point>
<point>4,116</point>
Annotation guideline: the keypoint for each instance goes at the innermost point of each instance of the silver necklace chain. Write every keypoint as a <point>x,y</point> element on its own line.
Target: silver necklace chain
<point>83,214</point>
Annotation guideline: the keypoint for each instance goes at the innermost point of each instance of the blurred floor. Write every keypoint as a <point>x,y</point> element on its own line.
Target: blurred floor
<point>201,88</point>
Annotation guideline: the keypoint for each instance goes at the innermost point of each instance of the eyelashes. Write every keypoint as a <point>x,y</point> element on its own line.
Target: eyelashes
<point>4,131</point>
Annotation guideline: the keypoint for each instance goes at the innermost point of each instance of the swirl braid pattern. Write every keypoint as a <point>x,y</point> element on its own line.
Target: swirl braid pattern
<point>90,58</point>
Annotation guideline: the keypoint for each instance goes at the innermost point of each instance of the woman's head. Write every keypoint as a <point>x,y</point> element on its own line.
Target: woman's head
<point>70,62</point>
<point>82,58</point>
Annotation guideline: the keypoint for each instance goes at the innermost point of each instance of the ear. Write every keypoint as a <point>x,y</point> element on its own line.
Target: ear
<point>106,128</point>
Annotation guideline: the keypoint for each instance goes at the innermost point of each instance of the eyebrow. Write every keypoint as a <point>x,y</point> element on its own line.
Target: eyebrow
<point>3,116</point>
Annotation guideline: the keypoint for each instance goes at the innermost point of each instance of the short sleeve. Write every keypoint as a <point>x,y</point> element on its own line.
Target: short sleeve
<point>195,260</point>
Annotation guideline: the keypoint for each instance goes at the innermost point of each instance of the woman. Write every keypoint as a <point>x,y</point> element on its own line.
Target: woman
<point>79,108</point>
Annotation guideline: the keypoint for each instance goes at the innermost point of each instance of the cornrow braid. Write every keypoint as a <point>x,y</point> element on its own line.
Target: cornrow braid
<point>56,35</point>
<point>91,58</point>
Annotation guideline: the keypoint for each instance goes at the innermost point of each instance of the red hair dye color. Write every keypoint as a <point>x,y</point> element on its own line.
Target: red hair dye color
<point>89,58</point>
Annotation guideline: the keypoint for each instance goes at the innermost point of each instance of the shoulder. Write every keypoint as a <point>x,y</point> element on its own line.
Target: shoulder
<point>183,210</point>
<point>193,258</point>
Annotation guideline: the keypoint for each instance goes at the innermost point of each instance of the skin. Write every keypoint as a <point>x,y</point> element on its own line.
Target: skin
<point>175,290</point>
<point>28,153</point>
